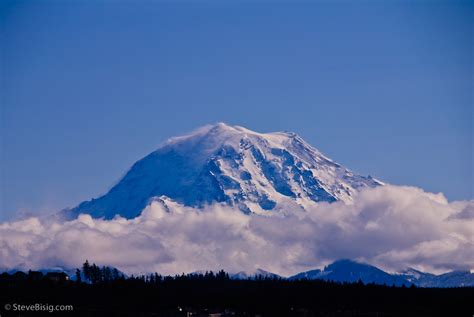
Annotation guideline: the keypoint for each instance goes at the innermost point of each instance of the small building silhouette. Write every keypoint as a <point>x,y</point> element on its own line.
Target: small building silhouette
<point>5,276</point>
<point>19,276</point>
<point>56,276</point>
<point>35,275</point>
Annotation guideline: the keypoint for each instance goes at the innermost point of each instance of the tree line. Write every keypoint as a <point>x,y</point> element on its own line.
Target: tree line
<point>103,291</point>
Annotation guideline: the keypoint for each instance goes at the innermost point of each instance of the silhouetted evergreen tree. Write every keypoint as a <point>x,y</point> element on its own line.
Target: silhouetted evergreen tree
<point>78,276</point>
<point>86,269</point>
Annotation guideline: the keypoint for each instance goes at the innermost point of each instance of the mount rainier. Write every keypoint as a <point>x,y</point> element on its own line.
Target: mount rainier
<point>255,172</point>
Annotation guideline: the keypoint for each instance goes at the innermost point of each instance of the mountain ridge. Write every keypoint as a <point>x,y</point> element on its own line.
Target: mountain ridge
<point>346,270</point>
<point>255,172</point>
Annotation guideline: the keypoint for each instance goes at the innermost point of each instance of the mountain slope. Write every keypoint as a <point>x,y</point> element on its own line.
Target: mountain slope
<point>259,273</point>
<point>308,275</point>
<point>450,279</point>
<point>351,271</point>
<point>230,164</point>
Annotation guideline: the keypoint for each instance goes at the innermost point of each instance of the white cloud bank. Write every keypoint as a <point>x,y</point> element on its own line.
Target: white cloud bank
<point>390,226</point>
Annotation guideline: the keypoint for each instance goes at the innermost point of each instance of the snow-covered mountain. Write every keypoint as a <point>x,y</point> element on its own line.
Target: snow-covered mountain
<point>256,172</point>
<point>351,271</point>
<point>450,279</point>
<point>259,273</point>
<point>419,278</point>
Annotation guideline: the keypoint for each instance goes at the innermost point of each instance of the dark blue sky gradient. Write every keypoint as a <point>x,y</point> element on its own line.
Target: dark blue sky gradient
<point>87,88</point>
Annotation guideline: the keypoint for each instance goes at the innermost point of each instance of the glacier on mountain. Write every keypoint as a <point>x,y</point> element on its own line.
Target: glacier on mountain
<point>256,172</point>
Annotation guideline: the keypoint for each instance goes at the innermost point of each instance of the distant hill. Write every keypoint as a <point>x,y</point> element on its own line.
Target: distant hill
<point>351,271</point>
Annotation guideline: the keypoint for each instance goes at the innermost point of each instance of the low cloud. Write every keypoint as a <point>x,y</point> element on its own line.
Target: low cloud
<point>392,227</point>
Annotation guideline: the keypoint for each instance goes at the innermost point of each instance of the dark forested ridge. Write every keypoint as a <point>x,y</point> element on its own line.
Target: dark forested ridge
<point>106,292</point>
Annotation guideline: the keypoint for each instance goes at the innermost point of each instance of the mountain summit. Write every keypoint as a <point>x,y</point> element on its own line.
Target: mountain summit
<point>255,172</point>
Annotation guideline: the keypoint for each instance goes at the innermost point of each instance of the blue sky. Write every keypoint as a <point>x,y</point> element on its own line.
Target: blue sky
<point>89,87</point>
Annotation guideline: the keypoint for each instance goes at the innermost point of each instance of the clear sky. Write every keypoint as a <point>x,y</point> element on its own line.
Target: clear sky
<point>89,87</point>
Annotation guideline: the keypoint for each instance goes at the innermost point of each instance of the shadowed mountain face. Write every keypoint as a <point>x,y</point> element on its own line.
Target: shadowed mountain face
<point>232,165</point>
<point>350,271</point>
